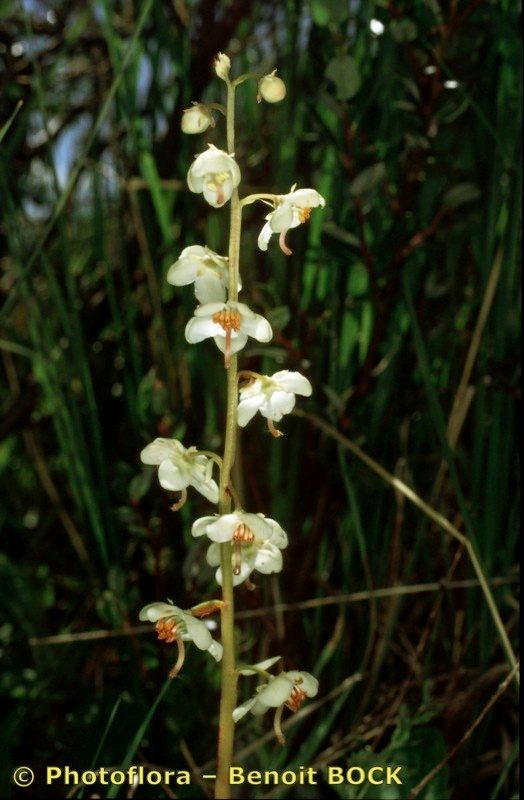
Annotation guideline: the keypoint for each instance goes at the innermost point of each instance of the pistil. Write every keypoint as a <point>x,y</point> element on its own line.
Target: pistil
<point>229,321</point>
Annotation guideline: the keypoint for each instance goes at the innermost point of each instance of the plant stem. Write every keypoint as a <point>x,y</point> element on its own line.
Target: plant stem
<point>226,730</point>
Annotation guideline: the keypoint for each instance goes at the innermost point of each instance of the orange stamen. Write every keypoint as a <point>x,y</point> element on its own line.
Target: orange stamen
<point>243,534</point>
<point>167,630</point>
<point>304,214</point>
<point>296,699</point>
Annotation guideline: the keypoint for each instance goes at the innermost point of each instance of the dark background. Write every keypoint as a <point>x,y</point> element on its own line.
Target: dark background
<point>406,116</point>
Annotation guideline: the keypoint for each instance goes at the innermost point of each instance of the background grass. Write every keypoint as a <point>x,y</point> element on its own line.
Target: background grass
<point>413,137</point>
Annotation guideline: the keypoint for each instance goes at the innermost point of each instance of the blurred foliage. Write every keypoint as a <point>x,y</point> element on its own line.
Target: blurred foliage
<point>406,116</point>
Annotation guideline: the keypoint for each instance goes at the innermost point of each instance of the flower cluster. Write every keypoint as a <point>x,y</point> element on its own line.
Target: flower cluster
<point>252,542</point>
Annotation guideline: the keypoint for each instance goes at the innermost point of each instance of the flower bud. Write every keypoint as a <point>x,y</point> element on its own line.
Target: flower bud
<point>222,66</point>
<point>271,89</point>
<point>197,119</point>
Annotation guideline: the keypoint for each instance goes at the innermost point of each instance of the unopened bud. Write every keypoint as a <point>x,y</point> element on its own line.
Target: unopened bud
<point>222,66</point>
<point>197,119</point>
<point>271,89</point>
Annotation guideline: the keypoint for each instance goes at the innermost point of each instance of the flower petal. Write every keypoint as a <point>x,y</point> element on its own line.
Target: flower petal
<point>213,555</point>
<point>216,650</point>
<point>277,404</point>
<point>238,341</point>
<point>208,287</point>
<point>258,524</point>
<point>183,271</point>
<point>305,198</point>
<point>276,692</point>
<point>247,408</point>
<point>195,182</point>
<point>242,710</point>
<point>259,328</point>
<point>268,559</point>
<point>278,535</point>
<point>308,683</point>
<point>261,665</point>
<point>208,488</point>
<point>198,329</point>
<point>282,218</point>
<point>197,632</point>
<point>171,477</point>
<point>293,382</point>
<point>264,236</point>
<point>155,611</point>
<point>159,450</point>
<point>221,529</point>
<point>199,527</point>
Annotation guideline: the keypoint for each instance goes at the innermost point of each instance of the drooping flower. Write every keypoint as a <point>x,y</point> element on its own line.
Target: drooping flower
<point>271,88</point>
<point>197,119</point>
<point>215,174</point>
<point>172,624</point>
<point>290,210</point>
<point>229,324</point>
<point>180,467</point>
<point>257,543</point>
<point>272,395</point>
<point>288,689</point>
<point>203,267</point>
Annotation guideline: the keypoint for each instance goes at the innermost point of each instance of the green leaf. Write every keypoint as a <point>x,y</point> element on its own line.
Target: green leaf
<point>328,12</point>
<point>344,72</point>
<point>403,30</point>
<point>5,127</point>
<point>140,484</point>
<point>358,281</point>
<point>367,179</point>
<point>279,317</point>
<point>460,194</point>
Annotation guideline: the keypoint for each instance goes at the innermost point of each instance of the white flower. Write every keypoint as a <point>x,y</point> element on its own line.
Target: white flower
<point>206,269</point>
<point>289,211</point>
<point>175,625</point>
<point>215,174</point>
<point>257,542</point>
<point>197,119</point>
<point>271,88</point>
<point>238,527</point>
<point>222,66</point>
<point>180,467</point>
<point>229,324</point>
<point>272,395</point>
<point>287,689</point>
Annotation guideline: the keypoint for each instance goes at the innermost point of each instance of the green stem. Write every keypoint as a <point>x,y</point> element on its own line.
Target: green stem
<point>229,676</point>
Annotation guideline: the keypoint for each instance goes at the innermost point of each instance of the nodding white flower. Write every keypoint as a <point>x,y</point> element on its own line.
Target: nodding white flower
<point>215,174</point>
<point>229,324</point>
<point>206,269</point>
<point>172,624</point>
<point>180,467</point>
<point>222,66</point>
<point>257,542</point>
<point>197,119</point>
<point>272,395</point>
<point>288,689</point>
<point>271,88</point>
<point>290,210</point>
